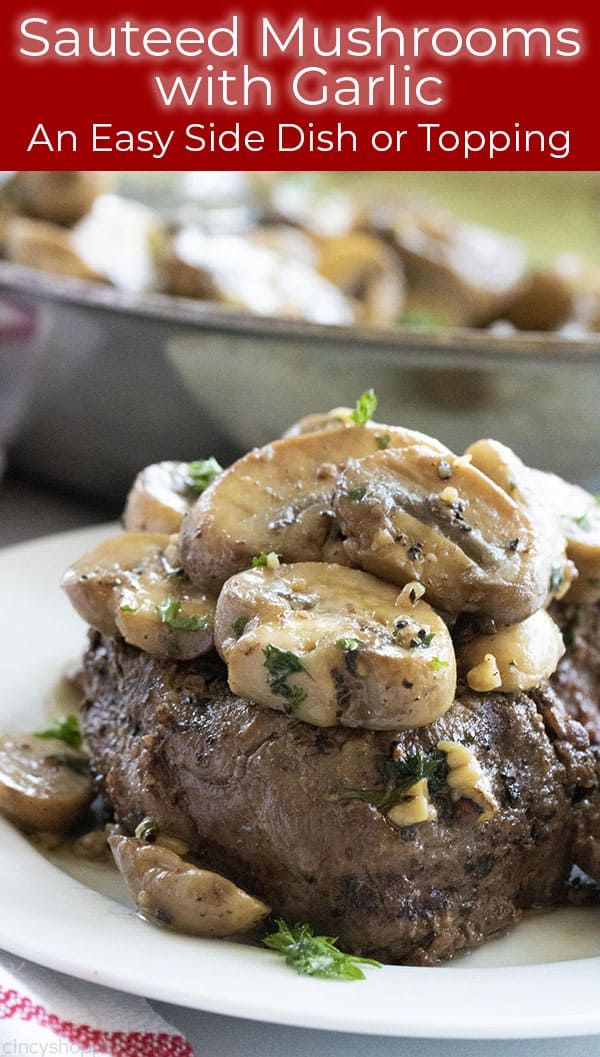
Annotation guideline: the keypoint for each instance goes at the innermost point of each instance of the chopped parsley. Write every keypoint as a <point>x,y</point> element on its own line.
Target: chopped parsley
<point>556,578</point>
<point>383,441</point>
<point>399,775</point>
<point>175,572</point>
<point>348,645</point>
<point>583,520</point>
<point>128,607</point>
<point>65,729</point>
<point>422,640</point>
<point>418,319</point>
<point>169,611</point>
<point>365,408</point>
<point>238,626</point>
<point>262,559</point>
<point>79,764</point>
<point>280,664</point>
<point>569,634</point>
<point>201,472</point>
<point>356,495</point>
<point>437,665</point>
<point>312,955</point>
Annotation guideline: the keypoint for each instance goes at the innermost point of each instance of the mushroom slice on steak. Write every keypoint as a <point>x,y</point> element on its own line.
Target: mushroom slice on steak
<point>164,492</point>
<point>320,420</point>
<point>525,486</point>
<point>524,654</point>
<point>134,585</point>
<point>44,785</point>
<point>384,436</point>
<point>331,645</point>
<point>170,891</point>
<point>579,513</point>
<point>561,511</point>
<point>409,515</point>
<point>276,498</point>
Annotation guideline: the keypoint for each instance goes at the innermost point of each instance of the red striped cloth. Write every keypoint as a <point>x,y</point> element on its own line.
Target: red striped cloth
<point>38,1006</point>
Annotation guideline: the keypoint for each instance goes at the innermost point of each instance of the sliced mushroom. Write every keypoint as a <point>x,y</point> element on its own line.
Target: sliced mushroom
<point>276,498</point>
<point>44,785</point>
<point>133,584</point>
<point>38,244</point>
<point>525,654</point>
<point>285,239</point>
<point>163,493</point>
<point>319,212</point>
<point>59,197</point>
<point>579,513</point>
<point>405,518</point>
<point>383,436</point>
<point>459,273</point>
<point>175,893</point>
<point>367,271</point>
<point>567,292</point>
<point>330,645</point>
<point>120,238</point>
<point>233,271</point>
<point>158,499</point>
<point>505,469</point>
<point>320,420</point>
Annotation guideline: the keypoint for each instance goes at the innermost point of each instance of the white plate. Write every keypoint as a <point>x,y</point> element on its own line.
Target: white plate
<point>543,980</point>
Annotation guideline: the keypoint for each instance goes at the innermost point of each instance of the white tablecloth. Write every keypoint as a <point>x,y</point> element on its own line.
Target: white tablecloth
<point>213,1036</point>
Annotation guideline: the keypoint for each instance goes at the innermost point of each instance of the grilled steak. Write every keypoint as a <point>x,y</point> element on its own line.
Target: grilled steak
<point>256,796</point>
<point>577,680</point>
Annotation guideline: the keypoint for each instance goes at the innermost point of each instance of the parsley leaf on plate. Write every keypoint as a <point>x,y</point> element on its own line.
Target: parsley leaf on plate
<point>312,955</point>
<point>65,729</point>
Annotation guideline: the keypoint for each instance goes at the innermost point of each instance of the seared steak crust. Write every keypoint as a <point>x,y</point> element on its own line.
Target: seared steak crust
<point>254,793</point>
<point>577,680</point>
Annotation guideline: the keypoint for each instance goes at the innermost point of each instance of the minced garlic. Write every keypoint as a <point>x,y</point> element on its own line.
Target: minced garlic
<point>341,414</point>
<point>449,495</point>
<point>485,676</point>
<point>412,592</point>
<point>462,460</point>
<point>382,538</point>
<point>466,778</point>
<point>414,806</point>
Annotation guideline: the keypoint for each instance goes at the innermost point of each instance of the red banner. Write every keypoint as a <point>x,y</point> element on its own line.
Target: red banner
<point>445,86</point>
